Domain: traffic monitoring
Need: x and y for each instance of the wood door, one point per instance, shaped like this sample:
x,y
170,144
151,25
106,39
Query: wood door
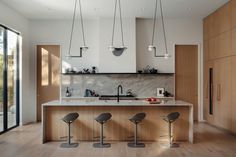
x,y
222,90
48,75
186,75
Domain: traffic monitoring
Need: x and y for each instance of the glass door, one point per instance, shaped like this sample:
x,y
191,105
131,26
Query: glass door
x,y
9,79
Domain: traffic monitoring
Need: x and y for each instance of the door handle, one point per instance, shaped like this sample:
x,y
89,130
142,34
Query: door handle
x,y
218,92
207,92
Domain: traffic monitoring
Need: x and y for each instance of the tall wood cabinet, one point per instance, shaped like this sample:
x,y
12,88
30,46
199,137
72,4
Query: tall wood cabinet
x,y
233,86
220,67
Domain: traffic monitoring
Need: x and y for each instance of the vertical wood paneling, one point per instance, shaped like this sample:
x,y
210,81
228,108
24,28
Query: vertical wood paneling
x,y
186,75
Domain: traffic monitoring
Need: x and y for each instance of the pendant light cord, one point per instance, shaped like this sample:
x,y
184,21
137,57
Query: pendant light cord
x,y
163,27
114,23
154,24
82,22
121,25
72,29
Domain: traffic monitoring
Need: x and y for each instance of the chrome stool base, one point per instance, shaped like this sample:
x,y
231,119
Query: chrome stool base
x,y
99,145
174,145
67,145
136,145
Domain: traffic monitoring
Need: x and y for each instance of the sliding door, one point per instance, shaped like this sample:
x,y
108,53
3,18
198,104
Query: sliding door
x,y
9,79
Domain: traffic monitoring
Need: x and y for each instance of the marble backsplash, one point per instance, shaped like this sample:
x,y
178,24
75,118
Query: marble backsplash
x,y
141,85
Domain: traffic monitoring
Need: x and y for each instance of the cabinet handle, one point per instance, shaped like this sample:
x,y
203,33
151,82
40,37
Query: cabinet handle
x,y
207,92
218,92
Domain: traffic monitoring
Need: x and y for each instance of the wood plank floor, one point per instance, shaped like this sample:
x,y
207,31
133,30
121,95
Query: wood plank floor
x,y
26,142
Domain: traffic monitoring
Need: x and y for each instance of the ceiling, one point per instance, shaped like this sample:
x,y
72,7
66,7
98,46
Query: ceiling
x,y
63,9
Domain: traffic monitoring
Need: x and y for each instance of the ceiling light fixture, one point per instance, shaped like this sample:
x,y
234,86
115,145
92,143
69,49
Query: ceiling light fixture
x,y
151,47
84,47
117,51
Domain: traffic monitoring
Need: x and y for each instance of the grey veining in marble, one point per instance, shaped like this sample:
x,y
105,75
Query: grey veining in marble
x,y
141,85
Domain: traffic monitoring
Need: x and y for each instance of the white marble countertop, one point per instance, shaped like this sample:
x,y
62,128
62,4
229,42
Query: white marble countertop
x,y
114,103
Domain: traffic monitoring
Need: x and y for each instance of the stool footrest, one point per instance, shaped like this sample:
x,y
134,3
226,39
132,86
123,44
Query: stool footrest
x,y
99,137
63,137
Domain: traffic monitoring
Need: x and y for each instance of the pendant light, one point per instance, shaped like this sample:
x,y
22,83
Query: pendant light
x,y
84,47
117,51
152,47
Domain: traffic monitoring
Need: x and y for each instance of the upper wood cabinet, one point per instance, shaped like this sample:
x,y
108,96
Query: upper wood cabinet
x,y
223,45
233,13
223,18
206,50
212,50
213,26
206,27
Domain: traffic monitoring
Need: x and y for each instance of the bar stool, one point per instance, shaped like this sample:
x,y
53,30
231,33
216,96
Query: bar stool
x,y
102,118
136,119
170,118
69,118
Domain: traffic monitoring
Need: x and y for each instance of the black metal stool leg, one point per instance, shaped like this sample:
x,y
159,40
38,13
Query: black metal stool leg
x,y
69,144
135,144
101,144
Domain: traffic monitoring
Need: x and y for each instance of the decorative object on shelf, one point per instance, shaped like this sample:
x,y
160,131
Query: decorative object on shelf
x,y
146,69
160,92
151,47
94,69
86,71
129,92
117,51
153,71
68,92
84,47
140,71
90,93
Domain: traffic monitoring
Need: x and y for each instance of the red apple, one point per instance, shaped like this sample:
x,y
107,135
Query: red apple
x,y
153,99
148,99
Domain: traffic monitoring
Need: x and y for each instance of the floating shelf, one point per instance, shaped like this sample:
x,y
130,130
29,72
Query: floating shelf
x,y
117,74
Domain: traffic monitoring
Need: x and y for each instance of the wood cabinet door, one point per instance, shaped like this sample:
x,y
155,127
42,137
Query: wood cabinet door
x,y
233,13
222,90
207,95
233,93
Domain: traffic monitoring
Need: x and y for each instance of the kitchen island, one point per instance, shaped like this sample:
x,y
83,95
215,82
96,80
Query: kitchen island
x,y
119,128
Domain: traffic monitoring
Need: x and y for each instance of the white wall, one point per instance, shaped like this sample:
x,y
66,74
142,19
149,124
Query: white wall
x,y
58,32
178,31
107,61
16,21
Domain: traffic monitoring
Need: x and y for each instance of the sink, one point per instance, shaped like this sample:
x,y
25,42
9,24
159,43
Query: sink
x,y
114,97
